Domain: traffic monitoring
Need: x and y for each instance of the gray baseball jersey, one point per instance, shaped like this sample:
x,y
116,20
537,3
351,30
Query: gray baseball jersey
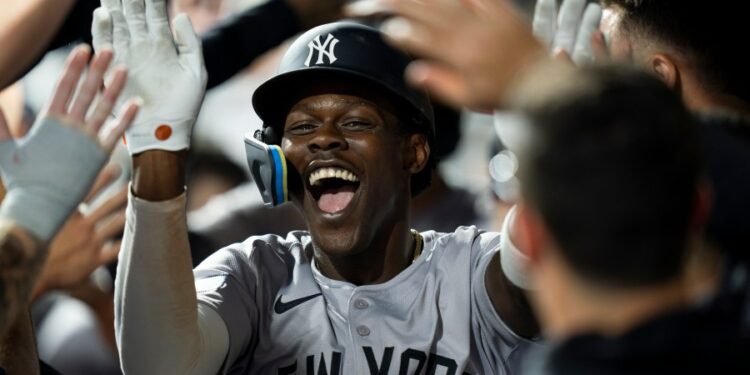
x,y
285,317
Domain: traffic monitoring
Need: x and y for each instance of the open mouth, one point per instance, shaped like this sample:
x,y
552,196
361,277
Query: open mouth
x,y
333,188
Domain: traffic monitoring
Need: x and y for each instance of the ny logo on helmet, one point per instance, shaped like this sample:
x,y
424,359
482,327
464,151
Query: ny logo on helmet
x,y
324,49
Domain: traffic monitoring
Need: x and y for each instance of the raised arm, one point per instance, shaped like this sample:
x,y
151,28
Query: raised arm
x,y
47,175
26,28
160,328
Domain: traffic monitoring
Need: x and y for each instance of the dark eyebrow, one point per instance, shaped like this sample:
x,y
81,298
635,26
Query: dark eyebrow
x,y
339,103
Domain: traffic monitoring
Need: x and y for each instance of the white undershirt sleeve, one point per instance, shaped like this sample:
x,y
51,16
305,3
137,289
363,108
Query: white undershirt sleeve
x,y
160,327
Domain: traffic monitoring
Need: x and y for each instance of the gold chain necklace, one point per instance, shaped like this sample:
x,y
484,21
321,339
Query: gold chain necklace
x,y
418,244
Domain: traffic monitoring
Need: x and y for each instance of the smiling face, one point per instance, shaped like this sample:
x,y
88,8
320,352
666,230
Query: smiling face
x,y
355,162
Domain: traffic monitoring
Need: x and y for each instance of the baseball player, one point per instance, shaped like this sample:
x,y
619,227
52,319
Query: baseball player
x,y
349,144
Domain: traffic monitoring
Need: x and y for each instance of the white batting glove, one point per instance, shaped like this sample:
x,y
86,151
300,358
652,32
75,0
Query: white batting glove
x,y
167,72
571,31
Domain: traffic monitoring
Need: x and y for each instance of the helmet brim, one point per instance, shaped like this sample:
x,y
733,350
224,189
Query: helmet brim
x,y
273,99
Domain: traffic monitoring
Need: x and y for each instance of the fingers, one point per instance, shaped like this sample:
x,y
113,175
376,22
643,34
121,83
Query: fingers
x,y
135,16
108,174
111,227
91,84
110,139
4,131
599,48
562,55
120,33
444,83
366,8
111,5
109,252
582,52
157,19
114,203
410,36
188,43
101,29
414,10
69,80
571,13
107,100
545,21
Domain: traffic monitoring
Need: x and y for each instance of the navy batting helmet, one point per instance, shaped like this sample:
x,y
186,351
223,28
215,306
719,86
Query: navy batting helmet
x,y
340,52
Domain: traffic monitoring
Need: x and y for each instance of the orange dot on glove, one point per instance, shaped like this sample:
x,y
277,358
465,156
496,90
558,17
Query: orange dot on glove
x,y
163,132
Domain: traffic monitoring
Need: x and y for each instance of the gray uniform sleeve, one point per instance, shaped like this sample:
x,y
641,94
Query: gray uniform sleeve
x,y
239,283
160,328
221,285
499,347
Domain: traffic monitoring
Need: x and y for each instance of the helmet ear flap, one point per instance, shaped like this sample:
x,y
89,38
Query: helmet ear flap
x,y
267,135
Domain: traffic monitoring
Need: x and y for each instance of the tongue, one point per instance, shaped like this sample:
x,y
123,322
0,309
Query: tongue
x,y
335,200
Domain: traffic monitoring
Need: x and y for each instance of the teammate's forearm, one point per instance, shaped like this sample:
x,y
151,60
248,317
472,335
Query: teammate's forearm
x,y
26,27
18,348
159,175
21,259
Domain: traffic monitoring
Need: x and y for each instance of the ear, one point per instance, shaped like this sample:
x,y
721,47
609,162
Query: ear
x,y
418,153
666,69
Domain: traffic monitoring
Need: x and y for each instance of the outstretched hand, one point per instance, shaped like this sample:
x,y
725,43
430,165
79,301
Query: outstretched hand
x,y
86,240
312,13
571,33
472,49
166,70
49,172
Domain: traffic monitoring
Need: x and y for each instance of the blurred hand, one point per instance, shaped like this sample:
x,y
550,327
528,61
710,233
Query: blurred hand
x,y
317,12
49,172
167,72
204,14
473,49
615,48
86,241
569,35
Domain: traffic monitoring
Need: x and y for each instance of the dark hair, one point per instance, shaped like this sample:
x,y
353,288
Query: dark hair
x,y
705,32
612,165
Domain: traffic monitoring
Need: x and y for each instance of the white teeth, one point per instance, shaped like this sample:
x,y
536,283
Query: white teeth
x,y
331,172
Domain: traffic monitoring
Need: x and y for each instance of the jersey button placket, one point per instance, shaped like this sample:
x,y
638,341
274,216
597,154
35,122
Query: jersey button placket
x,y
361,304
363,330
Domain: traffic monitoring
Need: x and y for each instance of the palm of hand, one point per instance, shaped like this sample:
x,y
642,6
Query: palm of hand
x,y
159,77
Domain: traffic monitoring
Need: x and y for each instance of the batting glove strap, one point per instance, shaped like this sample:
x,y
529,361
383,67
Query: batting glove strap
x,y
47,175
159,135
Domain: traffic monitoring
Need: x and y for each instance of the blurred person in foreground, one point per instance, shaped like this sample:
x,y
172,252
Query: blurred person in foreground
x,y
701,65
612,202
47,174
474,69
464,71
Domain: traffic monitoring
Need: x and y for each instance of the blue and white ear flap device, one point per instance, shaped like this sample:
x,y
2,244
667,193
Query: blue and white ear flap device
x,y
267,167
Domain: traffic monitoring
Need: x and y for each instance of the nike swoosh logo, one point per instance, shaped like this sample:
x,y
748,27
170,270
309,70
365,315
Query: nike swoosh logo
x,y
282,307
